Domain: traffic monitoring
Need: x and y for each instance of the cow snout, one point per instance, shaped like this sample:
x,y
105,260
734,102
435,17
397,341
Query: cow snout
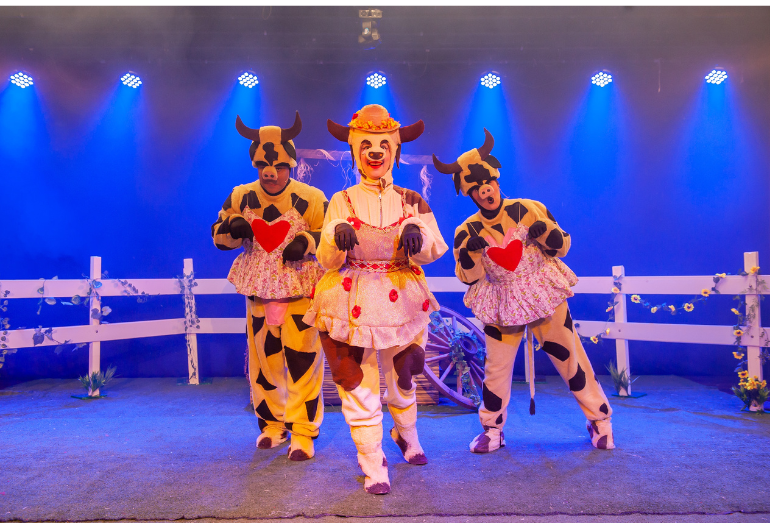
x,y
269,173
485,191
375,155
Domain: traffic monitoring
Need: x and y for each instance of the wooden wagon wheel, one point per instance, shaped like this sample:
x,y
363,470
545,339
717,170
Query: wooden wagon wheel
x,y
460,346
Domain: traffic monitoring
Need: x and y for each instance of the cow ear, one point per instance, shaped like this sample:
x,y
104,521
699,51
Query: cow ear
x,y
492,161
253,150
456,179
398,156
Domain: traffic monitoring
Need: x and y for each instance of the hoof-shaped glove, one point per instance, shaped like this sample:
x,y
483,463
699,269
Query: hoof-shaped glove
x,y
345,237
295,251
476,243
537,229
240,228
411,240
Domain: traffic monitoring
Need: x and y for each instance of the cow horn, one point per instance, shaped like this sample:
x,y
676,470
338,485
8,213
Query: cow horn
x,y
340,132
446,168
293,131
246,132
411,132
489,142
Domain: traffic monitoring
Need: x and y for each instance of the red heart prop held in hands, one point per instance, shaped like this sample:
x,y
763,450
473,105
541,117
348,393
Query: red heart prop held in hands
x,y
507,258
270,236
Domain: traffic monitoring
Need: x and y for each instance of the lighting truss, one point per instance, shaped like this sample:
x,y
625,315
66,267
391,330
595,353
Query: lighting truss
x,y
490,80
601,79
248,79
22,80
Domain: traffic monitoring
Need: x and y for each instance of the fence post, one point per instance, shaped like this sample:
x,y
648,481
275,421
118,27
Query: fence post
x,y
621,346
193,377
95,347
751,337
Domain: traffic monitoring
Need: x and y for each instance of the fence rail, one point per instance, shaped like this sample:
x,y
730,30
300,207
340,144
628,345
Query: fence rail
x,y
620,329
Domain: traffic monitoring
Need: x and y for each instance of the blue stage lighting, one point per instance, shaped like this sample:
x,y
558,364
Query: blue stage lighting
x,y
716,76
131,80
376,80
21,79
490,80
248,79
601,79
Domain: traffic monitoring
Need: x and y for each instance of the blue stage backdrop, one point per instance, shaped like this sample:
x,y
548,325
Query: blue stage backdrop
x,y
657,171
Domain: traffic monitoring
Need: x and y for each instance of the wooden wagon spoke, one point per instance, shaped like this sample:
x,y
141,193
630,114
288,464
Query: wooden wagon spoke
x,y
447,371
437,358
437,346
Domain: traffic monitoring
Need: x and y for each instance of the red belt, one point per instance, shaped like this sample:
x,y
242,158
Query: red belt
x,y
379,266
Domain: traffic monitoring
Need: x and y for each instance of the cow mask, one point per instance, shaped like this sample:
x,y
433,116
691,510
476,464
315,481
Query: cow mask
x,y
475,168
373,123
271,144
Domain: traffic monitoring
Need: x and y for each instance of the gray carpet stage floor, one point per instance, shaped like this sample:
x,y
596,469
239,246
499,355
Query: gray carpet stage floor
x,y
154,450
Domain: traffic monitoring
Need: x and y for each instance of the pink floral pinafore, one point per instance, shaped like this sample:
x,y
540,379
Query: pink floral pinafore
x,y
256,272
530,292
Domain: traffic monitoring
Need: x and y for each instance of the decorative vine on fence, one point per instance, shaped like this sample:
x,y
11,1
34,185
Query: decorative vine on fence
x,y
186,284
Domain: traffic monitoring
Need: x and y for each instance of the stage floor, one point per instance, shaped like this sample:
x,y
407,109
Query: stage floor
x,y
154,450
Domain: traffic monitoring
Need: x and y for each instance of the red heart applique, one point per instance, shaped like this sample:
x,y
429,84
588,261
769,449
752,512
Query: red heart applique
x,y
507,258
270,236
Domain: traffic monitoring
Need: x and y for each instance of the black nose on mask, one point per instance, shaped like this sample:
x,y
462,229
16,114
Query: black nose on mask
x,y
375,156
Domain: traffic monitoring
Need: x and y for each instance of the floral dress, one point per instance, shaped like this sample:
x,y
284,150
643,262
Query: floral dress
x,y
533,290
377,299
256,272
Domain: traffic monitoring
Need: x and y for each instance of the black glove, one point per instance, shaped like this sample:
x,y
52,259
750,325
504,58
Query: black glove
x,y
345,237
476,243
295,251
240,228
537,229
411,240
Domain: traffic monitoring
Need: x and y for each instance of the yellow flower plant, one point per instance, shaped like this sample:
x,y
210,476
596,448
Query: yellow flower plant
x,y
689,307
737,355
636,298
615,290
596,340
743,374
705,292
738,332
754,270
654,310
673,309
735,311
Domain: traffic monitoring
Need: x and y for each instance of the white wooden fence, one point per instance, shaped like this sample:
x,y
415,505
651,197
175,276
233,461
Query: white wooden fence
x,y
620,330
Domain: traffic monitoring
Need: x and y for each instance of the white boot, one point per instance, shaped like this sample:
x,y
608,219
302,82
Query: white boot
x,y
601,434
488,441
371,459
271,437
405,434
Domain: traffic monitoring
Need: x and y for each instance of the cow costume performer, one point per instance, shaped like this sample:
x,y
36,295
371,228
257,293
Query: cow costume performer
x,y
278,221
508,253
374,297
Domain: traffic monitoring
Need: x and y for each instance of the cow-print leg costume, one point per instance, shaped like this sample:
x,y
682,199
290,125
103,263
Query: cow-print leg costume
x,y
561,342
286,375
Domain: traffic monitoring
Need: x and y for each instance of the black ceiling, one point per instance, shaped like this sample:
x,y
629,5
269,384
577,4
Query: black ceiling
x,y
328,35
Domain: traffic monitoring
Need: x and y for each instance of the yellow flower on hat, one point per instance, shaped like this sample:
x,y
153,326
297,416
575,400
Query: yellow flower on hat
x,y
636,298
737,355
743,374
705,292
654,310
689,307
738,332
754,270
